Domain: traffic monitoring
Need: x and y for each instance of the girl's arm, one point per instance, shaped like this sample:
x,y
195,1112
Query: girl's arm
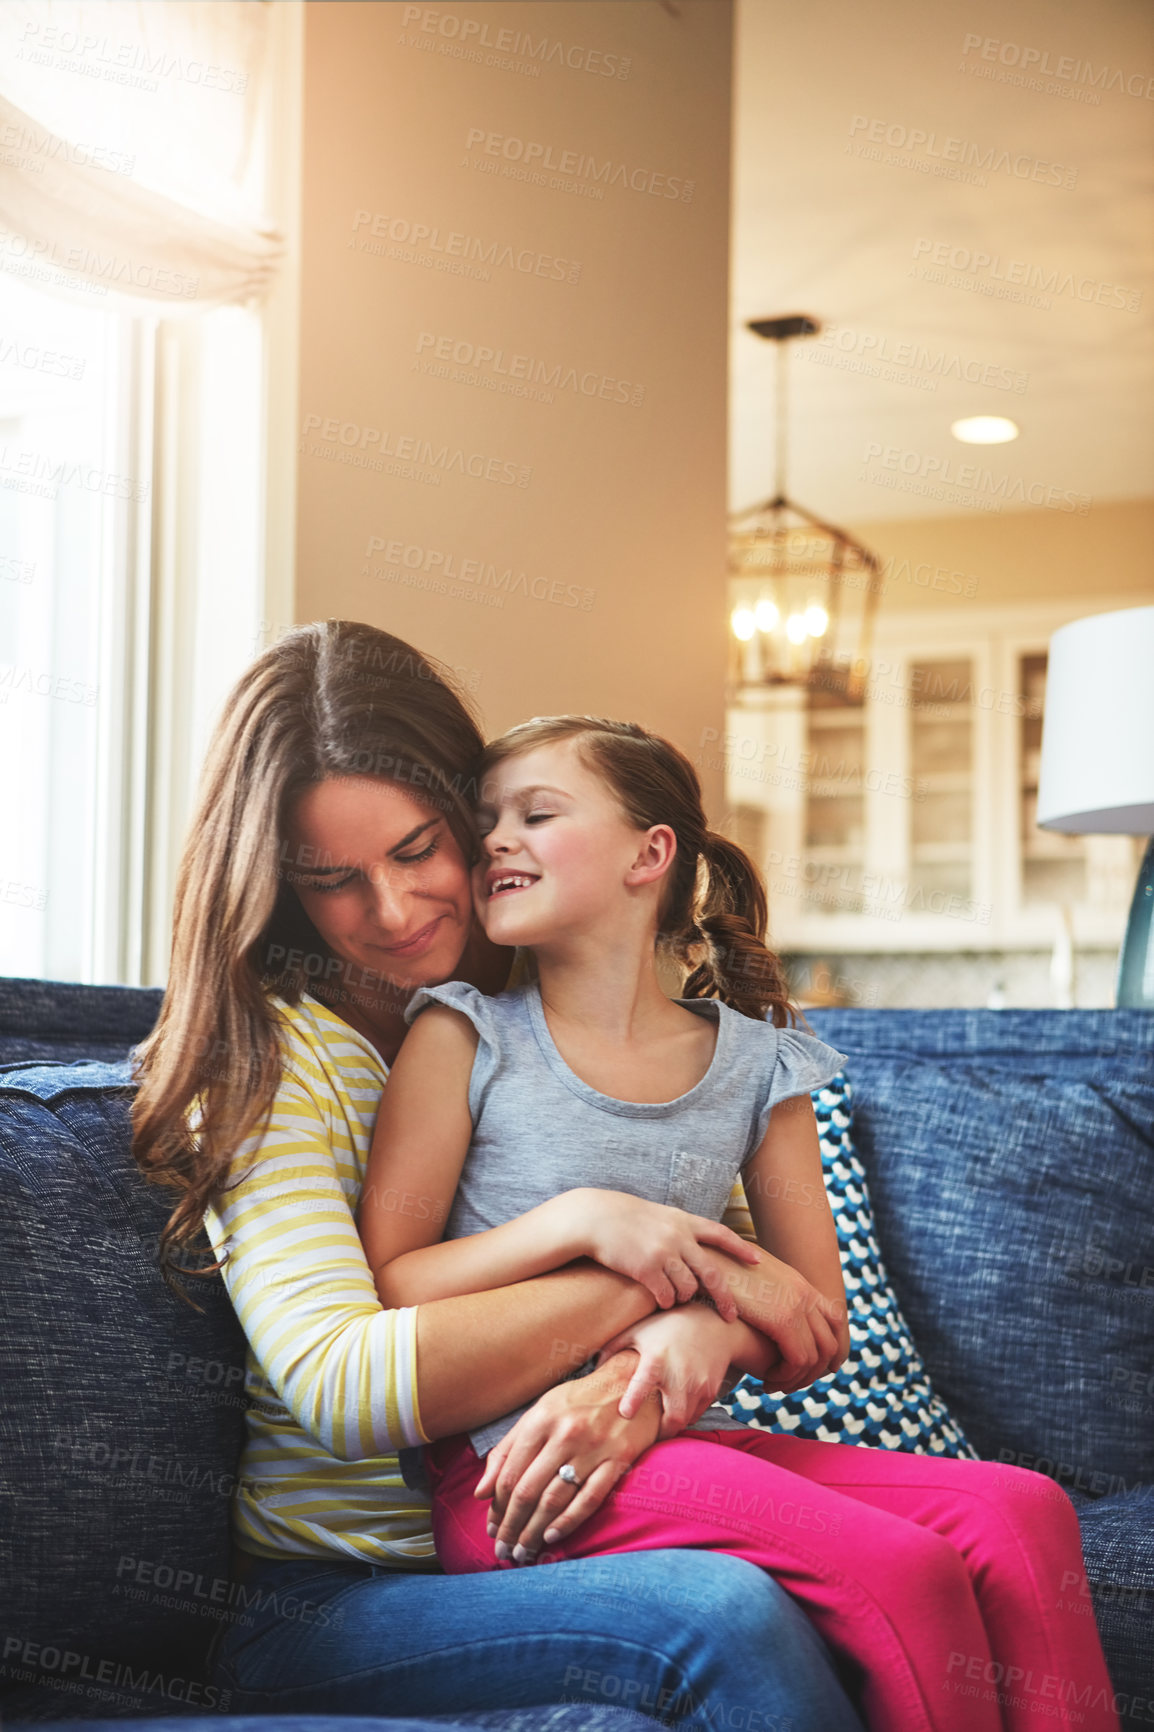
x,y
792,1326
687,1356
419,1146
795,1228
359,1378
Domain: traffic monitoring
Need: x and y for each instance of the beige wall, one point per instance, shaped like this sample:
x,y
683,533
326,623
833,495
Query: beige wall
x,y
609,514
1017,556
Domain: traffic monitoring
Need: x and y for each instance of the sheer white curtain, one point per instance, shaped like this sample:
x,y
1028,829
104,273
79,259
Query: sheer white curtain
x,y
149,157
130,150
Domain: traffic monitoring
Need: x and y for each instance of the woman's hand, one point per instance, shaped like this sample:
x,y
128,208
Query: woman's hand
x,y
662,1248
685,1356
576,1422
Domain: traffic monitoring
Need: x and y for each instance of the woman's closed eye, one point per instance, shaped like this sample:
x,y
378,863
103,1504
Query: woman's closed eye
x,y
326,885
426,853
335,884
322,885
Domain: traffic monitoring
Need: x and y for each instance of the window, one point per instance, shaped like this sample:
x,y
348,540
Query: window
x,y
147,401
72,504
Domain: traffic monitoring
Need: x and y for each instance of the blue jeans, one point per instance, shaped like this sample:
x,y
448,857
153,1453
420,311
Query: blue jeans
x,y
693,1638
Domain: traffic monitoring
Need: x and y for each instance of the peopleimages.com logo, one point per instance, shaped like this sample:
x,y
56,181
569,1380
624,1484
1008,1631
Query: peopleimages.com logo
x,y
1009,274
360,444
578,165
471,35
909,360
917,143
974,478
483,364
453,248
1066,68
444,567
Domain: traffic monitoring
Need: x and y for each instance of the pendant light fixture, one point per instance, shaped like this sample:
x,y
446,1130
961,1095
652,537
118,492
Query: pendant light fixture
x,y
803,592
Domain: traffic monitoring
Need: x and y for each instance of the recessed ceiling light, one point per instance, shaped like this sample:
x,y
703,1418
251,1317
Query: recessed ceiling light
x,y
985,430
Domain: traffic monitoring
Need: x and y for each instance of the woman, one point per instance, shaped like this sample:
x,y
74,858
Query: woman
x,y
325,879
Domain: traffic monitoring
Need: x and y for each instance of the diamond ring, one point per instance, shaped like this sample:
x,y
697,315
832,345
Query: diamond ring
x,y
568,1473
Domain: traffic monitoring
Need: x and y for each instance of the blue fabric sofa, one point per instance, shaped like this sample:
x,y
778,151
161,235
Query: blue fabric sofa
x,y
1011,1161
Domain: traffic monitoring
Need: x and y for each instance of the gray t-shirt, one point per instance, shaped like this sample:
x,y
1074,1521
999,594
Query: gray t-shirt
x,y
538,1130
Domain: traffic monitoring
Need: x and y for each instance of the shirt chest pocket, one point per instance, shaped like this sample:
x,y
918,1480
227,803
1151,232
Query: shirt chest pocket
x,y
700,1183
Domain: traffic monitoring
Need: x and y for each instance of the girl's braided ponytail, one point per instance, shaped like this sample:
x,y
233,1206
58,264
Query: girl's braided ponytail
x,y
738,966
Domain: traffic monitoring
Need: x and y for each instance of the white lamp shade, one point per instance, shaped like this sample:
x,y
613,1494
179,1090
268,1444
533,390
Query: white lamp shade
x,y
1097,774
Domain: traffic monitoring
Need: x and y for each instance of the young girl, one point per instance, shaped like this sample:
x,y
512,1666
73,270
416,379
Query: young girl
x,y
529,1125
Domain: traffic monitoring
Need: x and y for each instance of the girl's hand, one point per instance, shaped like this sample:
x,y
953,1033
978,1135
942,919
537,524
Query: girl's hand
x,y
685,1356
662,1248
810,1331
575,1422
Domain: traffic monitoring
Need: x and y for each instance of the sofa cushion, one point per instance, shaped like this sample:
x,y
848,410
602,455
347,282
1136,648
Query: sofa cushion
x,y
54,1021
562,1717
1010,1157
881,1394
1117,1588
121,1407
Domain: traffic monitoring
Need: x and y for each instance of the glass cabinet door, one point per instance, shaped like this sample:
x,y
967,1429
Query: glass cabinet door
x,y
834,829
1053,865
942,768
910,820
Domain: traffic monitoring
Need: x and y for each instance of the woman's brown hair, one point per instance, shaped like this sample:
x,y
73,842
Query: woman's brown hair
x,y
713,913
332,699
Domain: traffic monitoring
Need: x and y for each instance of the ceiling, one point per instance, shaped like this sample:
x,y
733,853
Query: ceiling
x,y
824,229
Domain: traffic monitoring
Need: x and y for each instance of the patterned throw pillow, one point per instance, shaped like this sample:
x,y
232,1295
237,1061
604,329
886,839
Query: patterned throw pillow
x,y
881,1394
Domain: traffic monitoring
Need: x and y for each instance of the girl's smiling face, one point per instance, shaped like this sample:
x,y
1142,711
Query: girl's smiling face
x,y
560,856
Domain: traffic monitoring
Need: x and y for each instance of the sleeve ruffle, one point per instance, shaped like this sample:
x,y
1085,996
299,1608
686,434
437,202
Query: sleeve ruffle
x,y
460,995
804,1063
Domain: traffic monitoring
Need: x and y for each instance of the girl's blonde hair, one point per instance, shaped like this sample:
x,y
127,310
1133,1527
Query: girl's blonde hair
x,y
332,699
713,911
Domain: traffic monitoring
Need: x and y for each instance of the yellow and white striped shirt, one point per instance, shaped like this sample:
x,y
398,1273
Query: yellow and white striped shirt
x,y
330,1375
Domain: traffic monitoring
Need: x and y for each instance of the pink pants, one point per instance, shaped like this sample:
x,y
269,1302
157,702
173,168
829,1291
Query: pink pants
x,y
952,1592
